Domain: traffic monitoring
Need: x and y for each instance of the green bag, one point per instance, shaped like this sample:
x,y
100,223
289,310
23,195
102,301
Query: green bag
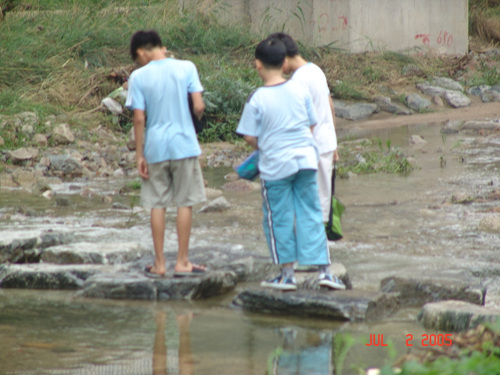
x,y
333,227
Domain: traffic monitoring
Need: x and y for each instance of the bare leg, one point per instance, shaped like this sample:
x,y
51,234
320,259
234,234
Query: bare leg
x,y
160,349
186,363
184,222
158,232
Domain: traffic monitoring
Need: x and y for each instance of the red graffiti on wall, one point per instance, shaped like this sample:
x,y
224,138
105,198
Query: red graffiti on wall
x,y
425,38
324,23
445,39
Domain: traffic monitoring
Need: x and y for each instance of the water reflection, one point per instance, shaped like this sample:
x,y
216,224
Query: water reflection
x,y
165,363
313,357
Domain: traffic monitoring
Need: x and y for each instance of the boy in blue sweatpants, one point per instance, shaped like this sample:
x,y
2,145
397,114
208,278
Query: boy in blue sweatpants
x,y
277,120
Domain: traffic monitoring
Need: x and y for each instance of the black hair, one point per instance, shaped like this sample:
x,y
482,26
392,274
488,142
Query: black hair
x,y
291,47
144,39
271,52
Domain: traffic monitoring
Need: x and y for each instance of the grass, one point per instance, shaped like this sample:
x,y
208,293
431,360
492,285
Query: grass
x,y
64,56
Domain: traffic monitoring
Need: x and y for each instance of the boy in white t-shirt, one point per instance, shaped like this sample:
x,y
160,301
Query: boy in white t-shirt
x,y
167,160
311,76
277,120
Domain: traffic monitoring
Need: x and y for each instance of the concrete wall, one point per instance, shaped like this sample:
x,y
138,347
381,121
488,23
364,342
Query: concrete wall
x,y
354,25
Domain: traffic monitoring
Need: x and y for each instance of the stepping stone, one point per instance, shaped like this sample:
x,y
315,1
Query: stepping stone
x,y
350,305
94,253
456,316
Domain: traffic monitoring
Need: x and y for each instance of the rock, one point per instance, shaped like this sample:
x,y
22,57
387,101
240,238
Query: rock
x,y
28,118
65,164
417,292
387,105
481,125
212,193
6,181
490,96
118,173
417,140
455,316
24,177
112,105
138,286
447,83
22,154
27,129
62,135
217,205
2,142
431,90
351,305
131,139
412,70
40,140
240,186
416,102
456,99
452,127
94,253
478,90
120,206
490,224
357,111
461,198
44,276
437,101
17,245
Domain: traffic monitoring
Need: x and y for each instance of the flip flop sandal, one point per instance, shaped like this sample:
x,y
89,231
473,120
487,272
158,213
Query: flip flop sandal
x,y
152,275
196,271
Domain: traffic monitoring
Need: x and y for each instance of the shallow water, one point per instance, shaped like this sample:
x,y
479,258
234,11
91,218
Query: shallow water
x,y
393,225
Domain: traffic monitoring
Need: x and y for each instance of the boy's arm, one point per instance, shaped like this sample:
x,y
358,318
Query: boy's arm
x,y
252,141
198,104
139,122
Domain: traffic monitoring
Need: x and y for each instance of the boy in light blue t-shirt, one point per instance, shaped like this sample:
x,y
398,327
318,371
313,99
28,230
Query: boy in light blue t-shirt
x,y
167,160
277,120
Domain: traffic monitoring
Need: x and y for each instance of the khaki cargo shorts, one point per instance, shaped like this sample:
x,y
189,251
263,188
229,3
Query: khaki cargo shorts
x,y
178,181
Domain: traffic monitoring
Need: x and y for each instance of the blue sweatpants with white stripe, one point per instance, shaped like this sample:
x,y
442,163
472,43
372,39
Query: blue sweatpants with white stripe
x,y
293,223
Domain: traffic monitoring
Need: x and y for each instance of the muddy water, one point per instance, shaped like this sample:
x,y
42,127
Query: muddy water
x,y
393,226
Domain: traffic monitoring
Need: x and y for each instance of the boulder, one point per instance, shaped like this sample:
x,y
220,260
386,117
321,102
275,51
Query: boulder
x,y
357,111
431,90
491,96
24,246
22,154
112,105
416,102
481,125
94,253
138,286
66,164
62,135
417,292
387,105
217,205
457,99
24,177
447,83
490,224
478,90
40,140
44,276
455,316
350,305
417,140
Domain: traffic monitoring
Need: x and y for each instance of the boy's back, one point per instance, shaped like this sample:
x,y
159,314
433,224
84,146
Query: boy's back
x,y
280,116
161,88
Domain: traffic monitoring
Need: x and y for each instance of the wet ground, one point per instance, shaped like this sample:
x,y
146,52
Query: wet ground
x,y
394,225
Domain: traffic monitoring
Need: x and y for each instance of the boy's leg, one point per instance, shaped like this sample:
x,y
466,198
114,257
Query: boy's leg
x,y
189,189
158,233
278,220
312,245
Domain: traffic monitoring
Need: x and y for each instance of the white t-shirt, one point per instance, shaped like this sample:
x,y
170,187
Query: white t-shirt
x,y
313,77
280,116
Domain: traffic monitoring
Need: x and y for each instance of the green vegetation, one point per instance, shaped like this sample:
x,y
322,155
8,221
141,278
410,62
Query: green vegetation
x,y
370,156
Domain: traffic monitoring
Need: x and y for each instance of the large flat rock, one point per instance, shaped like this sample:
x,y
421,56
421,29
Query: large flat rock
x,y
94,253
415,292
350,305
45,276
26,245
138,286
455,316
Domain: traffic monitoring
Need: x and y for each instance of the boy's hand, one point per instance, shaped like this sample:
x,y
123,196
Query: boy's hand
x,y
142,167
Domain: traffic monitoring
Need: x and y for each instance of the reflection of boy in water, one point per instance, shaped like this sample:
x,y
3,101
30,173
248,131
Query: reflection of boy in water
x,y
184,365
313,358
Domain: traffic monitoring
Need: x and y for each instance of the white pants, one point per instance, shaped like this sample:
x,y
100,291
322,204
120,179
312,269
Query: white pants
x,y
325,183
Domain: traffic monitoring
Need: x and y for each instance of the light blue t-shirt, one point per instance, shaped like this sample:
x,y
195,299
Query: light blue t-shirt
x,y
161,89
280,117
